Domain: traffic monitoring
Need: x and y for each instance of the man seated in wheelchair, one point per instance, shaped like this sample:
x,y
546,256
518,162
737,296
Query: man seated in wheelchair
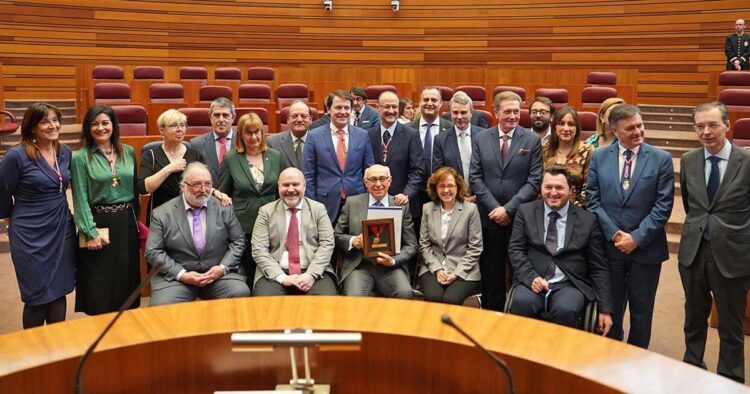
x,y
557,255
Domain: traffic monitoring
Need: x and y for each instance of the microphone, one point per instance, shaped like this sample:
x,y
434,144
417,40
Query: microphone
x,y
125,305
446,319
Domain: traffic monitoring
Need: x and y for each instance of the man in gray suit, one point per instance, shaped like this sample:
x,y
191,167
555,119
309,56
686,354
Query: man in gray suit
x,y
200,243
293,243
291,143
386,273
715,184
505,171
217,142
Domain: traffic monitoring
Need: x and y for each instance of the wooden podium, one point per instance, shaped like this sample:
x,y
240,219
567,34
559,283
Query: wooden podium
x,y
185,348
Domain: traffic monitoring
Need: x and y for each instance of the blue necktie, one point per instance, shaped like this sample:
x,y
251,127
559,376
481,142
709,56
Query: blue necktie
x,y
428,150
713,178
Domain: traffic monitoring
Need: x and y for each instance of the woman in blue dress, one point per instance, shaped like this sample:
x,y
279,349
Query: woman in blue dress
x,y
35,177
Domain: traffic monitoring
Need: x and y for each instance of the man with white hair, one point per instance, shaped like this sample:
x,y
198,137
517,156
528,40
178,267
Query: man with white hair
x,y
200,243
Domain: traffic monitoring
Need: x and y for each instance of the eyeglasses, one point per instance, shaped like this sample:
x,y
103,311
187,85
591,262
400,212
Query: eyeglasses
x,y
382,179
450,187
713,126
177,125
199,185
539,112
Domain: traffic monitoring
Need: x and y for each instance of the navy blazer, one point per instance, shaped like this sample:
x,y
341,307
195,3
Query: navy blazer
x,y
644,209
445,151
325,179
510,186
369,118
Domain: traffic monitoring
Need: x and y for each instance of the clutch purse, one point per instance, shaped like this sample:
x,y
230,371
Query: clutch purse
x,y
104,232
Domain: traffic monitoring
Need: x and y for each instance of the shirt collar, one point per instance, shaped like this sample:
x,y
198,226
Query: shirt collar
x,y
295,138
372,201
391,129
509,134
423,124
467,131
187,206
634,150
299,205
334,129
230,133
563,212
723,153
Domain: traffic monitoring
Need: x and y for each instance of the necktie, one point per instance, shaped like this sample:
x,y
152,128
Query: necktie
x,y
341,149
222,148
428,150
713,178
626,170
198,237
505,149
292,243
356,118
386,140
377,204
298,151
464,149
550,241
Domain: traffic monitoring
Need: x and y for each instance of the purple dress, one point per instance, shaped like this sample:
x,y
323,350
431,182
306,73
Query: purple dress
x,y
42,234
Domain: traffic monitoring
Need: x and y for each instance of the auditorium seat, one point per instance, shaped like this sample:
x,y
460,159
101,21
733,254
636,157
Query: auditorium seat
x,y
209,93
735,97
601,78
478,94
108,72
133,120
558,96
284,116
374,91
112,93
261,112
588,123
525,120
254,93
488,117
593,96
288,92
166,93
193,73
516,89
9,124
446,94
228,73
265,74
148,72
143,77
734,78
741,132
198,121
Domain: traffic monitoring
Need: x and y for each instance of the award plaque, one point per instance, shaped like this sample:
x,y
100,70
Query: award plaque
x,y
378,237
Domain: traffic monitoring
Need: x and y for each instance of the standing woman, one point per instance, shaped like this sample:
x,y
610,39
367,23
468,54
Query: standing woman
x,y
604,134
105,197
35,176
566,149
249,175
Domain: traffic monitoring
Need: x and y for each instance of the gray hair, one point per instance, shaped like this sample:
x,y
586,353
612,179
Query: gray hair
x,y
463,99
622,111
190,168
711,105
222,102
378,166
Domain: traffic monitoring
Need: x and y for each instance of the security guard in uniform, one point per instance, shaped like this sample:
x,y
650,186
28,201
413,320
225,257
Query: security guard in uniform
x,y
737,48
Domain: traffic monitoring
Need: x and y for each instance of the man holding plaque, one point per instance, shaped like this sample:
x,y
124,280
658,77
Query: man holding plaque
x,y
383,272
631,191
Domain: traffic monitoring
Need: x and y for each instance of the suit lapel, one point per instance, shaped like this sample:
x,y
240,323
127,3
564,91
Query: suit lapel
x,y
210,219
569,225
539,217
183,225
377,144
245,165
287,147
733,167
210,148
515,142
613,154
493,139
458,210
437,221
395,141
695,169
328,141
350,157
452,144
280,217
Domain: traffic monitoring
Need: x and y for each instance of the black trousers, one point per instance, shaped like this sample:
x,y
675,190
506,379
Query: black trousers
x,y
563,306
492,264
454,293
701,279
267,287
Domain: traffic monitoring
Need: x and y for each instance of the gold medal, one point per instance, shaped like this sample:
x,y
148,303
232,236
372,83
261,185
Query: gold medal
x,y
626,184
115,181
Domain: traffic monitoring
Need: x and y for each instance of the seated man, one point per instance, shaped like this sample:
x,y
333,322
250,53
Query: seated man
x,y
293,242
387,273
556,252
200,243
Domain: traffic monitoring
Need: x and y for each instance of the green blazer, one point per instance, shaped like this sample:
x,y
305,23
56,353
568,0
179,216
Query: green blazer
x,y
236,181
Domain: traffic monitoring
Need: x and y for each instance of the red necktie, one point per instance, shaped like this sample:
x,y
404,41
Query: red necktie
x,y
222,148
292,244
341,155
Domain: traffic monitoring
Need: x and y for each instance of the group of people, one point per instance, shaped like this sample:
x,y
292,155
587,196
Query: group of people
x,y
236,212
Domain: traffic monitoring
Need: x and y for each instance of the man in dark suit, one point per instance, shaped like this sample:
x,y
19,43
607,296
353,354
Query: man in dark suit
x,y
631,191
200,243
557,256
385,273
453,148
291,143
335,157
363,115
715,184
506,169
737,48
217,142
397,146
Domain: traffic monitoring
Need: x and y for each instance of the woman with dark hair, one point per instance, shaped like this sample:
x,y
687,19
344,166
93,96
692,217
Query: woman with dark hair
x,y
35,177
450,240
566,149
106,207
249,175
604,134
405,111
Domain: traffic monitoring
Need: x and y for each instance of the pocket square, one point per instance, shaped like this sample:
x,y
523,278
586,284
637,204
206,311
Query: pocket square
x,y
523,152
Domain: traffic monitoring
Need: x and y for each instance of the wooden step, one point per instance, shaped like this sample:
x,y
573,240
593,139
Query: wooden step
x,y
655,108
667,117
672,138
668,125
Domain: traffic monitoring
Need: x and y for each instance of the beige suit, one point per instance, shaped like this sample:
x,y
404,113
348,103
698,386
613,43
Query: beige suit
x,y
462,246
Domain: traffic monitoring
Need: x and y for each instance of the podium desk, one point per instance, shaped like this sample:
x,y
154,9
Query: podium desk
x,y
185,348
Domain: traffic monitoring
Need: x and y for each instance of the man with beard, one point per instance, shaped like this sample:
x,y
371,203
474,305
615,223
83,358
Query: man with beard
x,y
541,113
298,259
200,243
217,142
291,143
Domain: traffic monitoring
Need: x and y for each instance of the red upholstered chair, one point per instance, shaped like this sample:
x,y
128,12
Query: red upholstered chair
x,y
148,72
197,119
446,94
108,72
593,96
525,120
516,89
741,132
601,78
228,73
133,119
254,93
9,126
261,112
477,94
288,92
112,93
735,97
260,74
166,93
486,114
209,93
374,91
558,96
734,78
588,123
190,73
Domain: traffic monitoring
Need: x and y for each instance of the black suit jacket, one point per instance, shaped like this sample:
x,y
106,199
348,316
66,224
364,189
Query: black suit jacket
x,y
737,47
581,258
476,119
